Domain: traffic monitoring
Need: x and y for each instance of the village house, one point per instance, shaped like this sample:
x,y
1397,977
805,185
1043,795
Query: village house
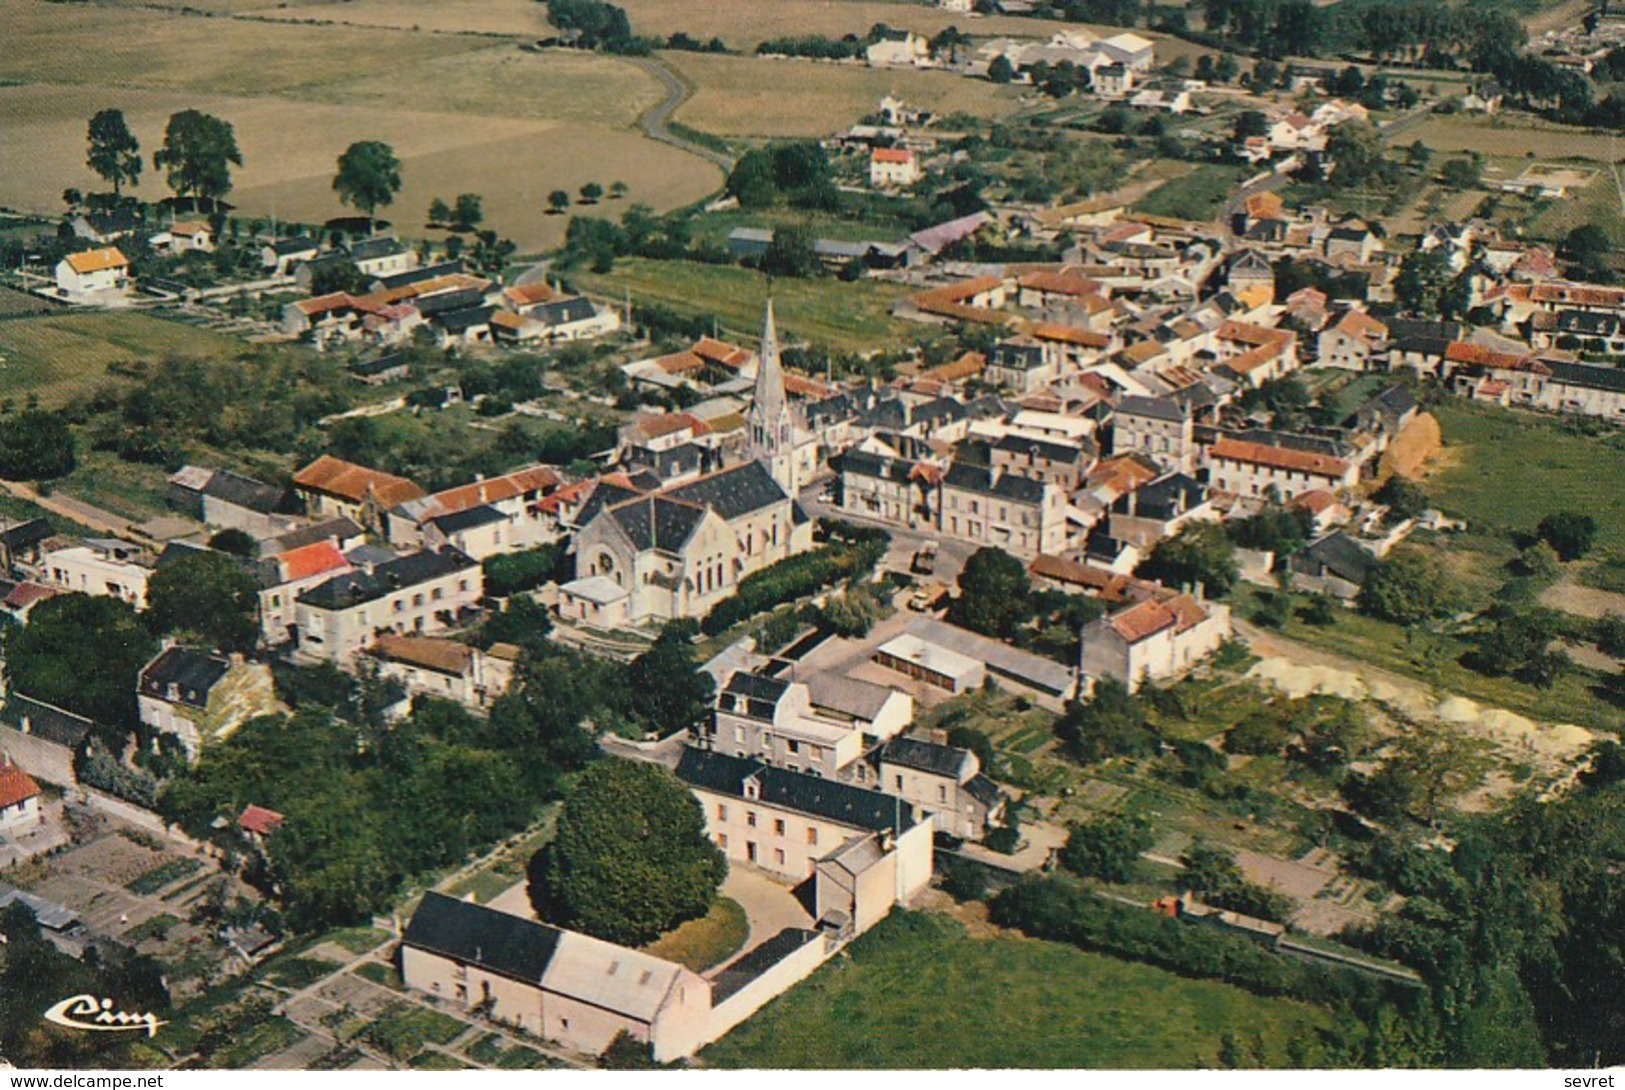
x,y
943,781
105,228
558,985
903,49
104,273
990,506
1161,428
1258,470
868,850
482,519
280,257
19,799
1154,639
1355,341
418,593
285,573
1160,509
332,488
193,237
1113,80
1063,464
376,258
894,168
772,720
195,695
101,566
1336,564
448,669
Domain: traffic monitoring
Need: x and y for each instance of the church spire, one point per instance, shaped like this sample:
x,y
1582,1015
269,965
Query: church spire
x,y
769,397
772,437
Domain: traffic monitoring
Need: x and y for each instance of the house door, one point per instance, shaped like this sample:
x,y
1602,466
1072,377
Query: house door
x,y
750,850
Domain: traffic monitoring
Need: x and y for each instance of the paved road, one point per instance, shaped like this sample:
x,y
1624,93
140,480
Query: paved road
x,y
951,554
655,120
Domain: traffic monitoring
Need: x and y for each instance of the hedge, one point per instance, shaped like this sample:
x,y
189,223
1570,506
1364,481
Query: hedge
x,y
797,576
510,573
1052,909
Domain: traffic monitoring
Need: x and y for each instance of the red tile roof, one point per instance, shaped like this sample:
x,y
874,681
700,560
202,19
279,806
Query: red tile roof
x,y
317,558
893,155
16,786
260,821
542,479
348,481
1300,461
1062,282
1484,356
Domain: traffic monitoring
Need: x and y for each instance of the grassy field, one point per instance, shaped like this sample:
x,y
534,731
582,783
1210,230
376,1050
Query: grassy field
x,y
1435,660
905,996
1507,470
707,941
853,317
1510,135
1198,195
465,113
752,96
61,356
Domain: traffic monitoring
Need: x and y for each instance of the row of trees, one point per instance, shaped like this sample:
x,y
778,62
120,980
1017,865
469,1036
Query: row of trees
x,y
197,154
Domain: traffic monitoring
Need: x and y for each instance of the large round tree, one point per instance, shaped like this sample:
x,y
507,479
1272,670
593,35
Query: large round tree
x,y
631,859
368,177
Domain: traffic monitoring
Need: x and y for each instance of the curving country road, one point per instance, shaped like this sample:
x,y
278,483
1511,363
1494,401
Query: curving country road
x,y
655,120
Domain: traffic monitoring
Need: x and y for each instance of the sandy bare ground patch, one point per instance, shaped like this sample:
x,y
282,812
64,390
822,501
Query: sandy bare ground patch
x,y
1582,601
1416,444
762,96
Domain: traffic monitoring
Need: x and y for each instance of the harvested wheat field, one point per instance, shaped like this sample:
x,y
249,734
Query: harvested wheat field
x,y
525,18
744,23
465,114
751,96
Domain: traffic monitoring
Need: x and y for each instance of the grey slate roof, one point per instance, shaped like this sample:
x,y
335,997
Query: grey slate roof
x,y
420,274
564,311
929,757
1342,556
983,790
353,588
458,321
241,491
379,365
45,721
504,944
1155,408
1588,375
371,248
482,515
732,492
655,522
985,481
192,672
838,802
1048,449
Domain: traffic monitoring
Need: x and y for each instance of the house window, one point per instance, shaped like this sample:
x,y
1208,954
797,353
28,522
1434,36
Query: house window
x,y
750,818
812,834
778,856
899,779
942,793
778,826
722,812
435,594
399,605
722,841
462,585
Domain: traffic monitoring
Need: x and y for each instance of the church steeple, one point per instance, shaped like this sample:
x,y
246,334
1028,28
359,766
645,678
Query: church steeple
x,y
772,433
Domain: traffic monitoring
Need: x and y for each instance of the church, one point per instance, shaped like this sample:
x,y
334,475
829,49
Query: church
x,y
679,551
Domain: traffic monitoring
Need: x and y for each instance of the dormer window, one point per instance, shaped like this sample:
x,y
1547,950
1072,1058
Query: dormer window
x,y
753,789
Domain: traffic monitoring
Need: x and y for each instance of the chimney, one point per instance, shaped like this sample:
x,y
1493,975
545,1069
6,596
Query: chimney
x,y
937,736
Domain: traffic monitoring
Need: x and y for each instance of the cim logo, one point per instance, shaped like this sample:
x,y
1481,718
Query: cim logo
x,y
98,1015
